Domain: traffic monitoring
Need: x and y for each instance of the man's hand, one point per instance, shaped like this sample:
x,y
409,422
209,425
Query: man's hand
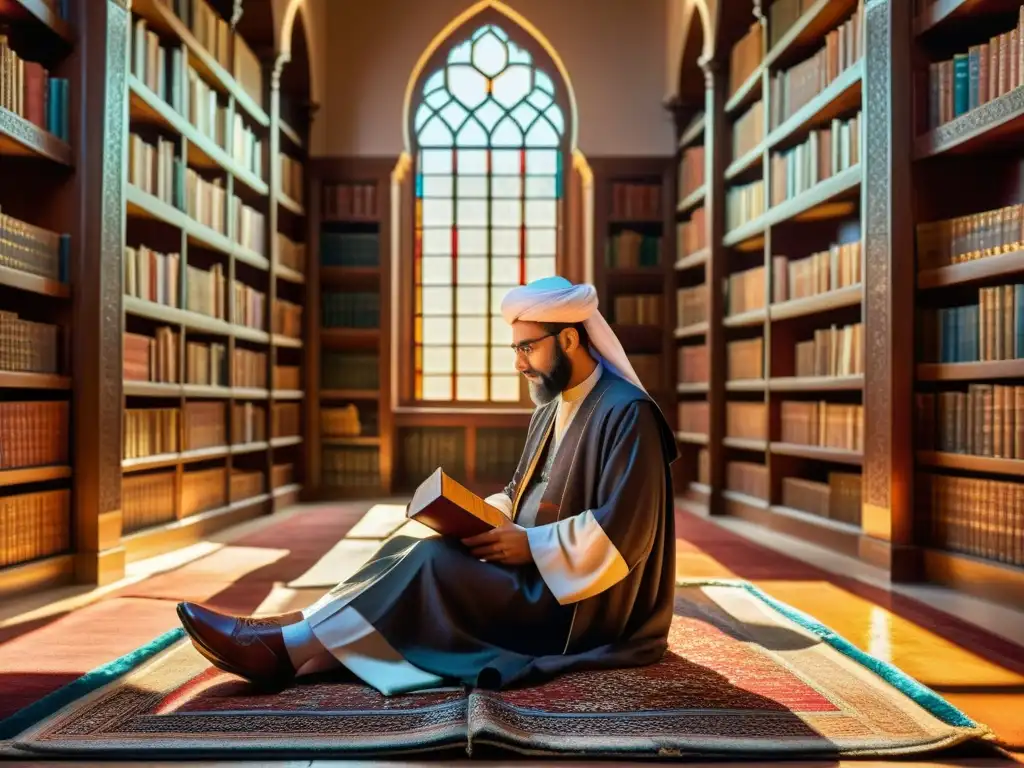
x,y
506,544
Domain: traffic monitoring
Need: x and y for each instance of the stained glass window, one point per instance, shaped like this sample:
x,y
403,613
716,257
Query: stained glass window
x,y
489,159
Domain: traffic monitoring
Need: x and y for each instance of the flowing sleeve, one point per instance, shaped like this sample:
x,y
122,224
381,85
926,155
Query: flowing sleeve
x,y
583,555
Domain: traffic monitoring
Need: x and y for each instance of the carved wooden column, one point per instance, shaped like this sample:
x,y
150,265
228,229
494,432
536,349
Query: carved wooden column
x,y
716,157
98,327
888,238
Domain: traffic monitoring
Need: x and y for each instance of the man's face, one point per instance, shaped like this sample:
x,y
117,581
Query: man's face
x,y
541,360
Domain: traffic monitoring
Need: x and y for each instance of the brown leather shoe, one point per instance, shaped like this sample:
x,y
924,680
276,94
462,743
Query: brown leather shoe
x,y
250,648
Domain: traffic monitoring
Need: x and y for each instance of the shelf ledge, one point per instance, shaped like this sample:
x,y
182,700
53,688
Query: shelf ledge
x,y
988,124
19,137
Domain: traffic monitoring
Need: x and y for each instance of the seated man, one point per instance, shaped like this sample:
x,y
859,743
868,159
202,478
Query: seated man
x,y
581,576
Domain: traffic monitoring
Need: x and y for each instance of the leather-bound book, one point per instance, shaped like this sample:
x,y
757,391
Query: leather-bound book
x,y
451,509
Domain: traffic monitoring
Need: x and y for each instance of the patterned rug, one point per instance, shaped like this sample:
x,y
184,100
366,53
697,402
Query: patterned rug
x,y
745,677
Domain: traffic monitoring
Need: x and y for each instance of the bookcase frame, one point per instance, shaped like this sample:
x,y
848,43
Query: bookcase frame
x,y
101,115
879,84
893,163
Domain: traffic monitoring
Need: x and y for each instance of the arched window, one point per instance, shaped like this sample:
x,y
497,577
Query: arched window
x,y
489,137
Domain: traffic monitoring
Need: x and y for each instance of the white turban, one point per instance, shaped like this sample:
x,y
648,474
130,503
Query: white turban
x,y
556,300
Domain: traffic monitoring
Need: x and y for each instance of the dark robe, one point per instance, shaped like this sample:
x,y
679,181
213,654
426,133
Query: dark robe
x,y
492,625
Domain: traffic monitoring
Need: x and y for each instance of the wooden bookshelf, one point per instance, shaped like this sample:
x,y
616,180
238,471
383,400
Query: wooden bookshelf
x,y
41,253
769,381
223,303
126,317
347,300
968,524
915,380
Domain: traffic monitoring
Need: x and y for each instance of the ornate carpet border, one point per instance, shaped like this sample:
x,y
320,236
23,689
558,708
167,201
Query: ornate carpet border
x,y
51,703
921,694
925,697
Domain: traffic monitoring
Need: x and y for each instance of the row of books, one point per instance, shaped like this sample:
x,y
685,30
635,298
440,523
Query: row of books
x,y
748,478
152,276
204,291
155,169
497,452
350,202
342,422
633,201
986,420
155,358
34,525
642,309
692,234
744,359
164,71
157,431
977,76
351,467
840,266
782,15
823,424
151,498
633,249
838,499
248,423
423,449
148,499
33,434
292,178
796,86
745,57
691,171
290,253
246,484
692,363
992,329
704,466
250,227
37,251
27,346
287,377
691,306
743,203
285,420
287,319
349,370
823,154
975,516
152,358
214,34
350,310
31,92
974,236
817,274
350,249
203,490
748,130
246,146
833,351
692,416
249,307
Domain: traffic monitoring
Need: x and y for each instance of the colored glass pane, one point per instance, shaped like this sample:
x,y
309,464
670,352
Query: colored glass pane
x,y
488,174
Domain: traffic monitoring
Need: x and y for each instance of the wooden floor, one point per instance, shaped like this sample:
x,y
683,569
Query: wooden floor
x,y
979,672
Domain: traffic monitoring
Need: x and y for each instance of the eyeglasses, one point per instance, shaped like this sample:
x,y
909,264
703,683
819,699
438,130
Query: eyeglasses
x,y
526,347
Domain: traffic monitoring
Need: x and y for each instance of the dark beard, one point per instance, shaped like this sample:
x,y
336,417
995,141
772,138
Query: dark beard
x,y
554,382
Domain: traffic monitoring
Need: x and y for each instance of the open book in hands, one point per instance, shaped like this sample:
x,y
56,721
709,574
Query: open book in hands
x,y
451,509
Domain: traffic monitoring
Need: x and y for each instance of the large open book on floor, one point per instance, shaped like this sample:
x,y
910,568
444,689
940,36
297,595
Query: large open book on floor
x,y
451,509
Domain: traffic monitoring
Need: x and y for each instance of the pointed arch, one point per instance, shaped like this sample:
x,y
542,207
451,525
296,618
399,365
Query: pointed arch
x,y
479,12
285,41
692,39
496,195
